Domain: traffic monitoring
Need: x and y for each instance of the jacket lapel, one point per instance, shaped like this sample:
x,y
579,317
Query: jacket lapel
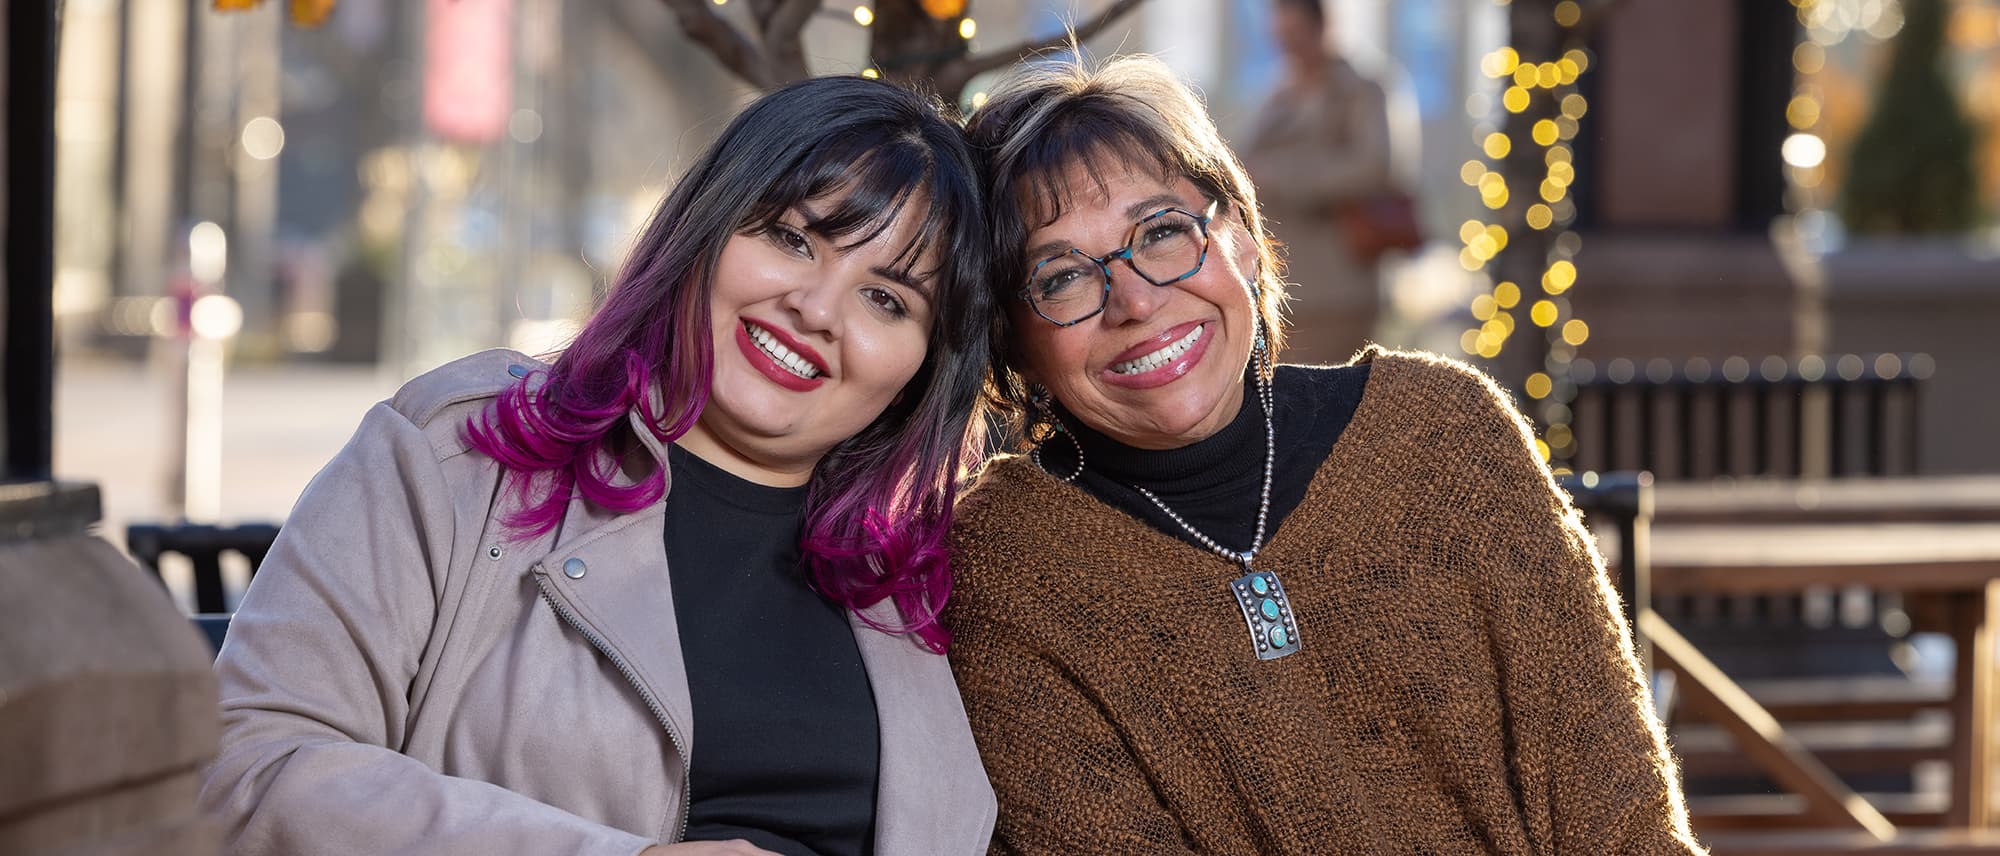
x,y
611,569
932,796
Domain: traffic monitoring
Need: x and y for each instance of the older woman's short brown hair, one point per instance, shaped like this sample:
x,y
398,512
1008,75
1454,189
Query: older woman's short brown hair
x,y
1132,112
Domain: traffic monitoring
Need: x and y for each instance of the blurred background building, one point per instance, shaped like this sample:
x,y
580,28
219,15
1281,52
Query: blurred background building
x,y
1750,247
405,182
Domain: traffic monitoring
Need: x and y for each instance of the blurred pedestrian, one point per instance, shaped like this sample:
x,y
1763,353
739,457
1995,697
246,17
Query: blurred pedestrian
x,y
1319,152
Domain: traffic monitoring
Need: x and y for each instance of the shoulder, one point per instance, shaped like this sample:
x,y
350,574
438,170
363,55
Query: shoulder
x,y
1426,409
1002,489
438,402
468,379
1344,381
1434,382
1353,82
998,520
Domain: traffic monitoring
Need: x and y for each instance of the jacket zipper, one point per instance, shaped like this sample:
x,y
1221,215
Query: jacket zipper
x,y
625,668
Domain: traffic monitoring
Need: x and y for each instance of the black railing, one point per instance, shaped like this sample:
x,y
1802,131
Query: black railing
x,y
204,547
1817,416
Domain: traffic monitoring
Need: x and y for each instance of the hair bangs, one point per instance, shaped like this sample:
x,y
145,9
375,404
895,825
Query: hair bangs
x,y
1095,138
871,190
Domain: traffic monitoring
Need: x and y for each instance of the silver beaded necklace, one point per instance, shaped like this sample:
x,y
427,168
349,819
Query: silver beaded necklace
x,y
1266,610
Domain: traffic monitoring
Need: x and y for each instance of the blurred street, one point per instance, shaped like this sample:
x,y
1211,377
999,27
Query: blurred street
x,y
280,424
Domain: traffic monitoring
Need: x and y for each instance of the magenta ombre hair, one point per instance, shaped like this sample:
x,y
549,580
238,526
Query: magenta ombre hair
x,y
879,507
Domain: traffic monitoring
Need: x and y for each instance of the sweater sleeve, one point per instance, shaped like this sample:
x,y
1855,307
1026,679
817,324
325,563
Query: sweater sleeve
x,y
317,671
1590,758
1067,780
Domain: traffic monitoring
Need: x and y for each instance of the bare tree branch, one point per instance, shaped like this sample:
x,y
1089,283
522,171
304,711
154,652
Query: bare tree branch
x,y
784,29
961,71
732,48
789,19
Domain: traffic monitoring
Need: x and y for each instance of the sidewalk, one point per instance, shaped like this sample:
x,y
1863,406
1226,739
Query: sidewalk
x,y
280,425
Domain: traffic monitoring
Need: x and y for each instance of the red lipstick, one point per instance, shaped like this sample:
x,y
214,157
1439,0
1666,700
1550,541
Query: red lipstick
x,y
774,370
1170,371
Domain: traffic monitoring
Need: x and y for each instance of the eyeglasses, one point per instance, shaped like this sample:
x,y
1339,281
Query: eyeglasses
x,y
1165,247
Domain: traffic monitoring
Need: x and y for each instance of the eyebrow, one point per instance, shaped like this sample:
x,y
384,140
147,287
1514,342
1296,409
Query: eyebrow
x,y
1149,205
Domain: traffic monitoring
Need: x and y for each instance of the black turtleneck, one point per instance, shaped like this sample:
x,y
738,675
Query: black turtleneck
x,y
1214,484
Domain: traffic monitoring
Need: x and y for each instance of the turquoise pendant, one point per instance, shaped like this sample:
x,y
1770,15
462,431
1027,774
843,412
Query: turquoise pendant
x,y
1274,631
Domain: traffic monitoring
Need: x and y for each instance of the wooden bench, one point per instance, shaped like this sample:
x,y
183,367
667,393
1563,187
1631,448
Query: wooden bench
x,y
1943,842
1837,415
204,546
1950,576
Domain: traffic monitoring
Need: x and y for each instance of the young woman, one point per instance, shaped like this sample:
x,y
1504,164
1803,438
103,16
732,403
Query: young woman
x,y
677,591
1229,607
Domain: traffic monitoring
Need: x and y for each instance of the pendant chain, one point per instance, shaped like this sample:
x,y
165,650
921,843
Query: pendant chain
x,y
1244,557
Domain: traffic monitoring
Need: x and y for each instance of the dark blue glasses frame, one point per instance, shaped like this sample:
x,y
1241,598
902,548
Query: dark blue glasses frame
x,y
1124,254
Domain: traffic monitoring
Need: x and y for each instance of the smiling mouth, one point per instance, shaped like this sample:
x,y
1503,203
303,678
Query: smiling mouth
x,y
786,358
1162,356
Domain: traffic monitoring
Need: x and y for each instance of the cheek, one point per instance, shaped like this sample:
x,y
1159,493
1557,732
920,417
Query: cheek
x,y
892,359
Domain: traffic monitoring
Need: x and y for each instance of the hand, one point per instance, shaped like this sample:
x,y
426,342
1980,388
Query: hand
x,y
736,847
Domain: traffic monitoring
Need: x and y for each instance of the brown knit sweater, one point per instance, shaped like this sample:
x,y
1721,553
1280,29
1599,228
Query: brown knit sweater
x,y
1465,684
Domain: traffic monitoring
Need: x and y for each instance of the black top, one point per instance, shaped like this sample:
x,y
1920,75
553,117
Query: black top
x,y
785,737
1214,484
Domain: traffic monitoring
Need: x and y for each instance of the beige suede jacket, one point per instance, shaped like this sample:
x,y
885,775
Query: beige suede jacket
x,y
402,678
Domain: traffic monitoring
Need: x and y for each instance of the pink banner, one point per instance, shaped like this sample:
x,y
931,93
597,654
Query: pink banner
x,y
468,69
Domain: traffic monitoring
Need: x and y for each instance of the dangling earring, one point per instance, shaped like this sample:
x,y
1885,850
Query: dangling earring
x,y
1260,346
1038,398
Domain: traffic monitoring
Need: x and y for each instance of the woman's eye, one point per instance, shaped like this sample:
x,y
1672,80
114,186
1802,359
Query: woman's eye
x,y
1054,284
791,239
887,301
1162,231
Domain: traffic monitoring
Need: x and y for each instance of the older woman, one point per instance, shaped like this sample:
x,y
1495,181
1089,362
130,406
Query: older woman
x,y
1232,607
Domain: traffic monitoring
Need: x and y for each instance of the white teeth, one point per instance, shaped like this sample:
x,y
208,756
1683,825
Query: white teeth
x,y
779,353
1162,356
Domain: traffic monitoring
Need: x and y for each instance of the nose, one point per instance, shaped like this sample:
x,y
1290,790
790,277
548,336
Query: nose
x,y
817,304
1132,298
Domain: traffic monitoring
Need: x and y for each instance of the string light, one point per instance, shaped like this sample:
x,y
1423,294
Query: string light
x,y
967,29
1539,216
1539,385
1543,313
1802,112
1544,89
864,15
1560,277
